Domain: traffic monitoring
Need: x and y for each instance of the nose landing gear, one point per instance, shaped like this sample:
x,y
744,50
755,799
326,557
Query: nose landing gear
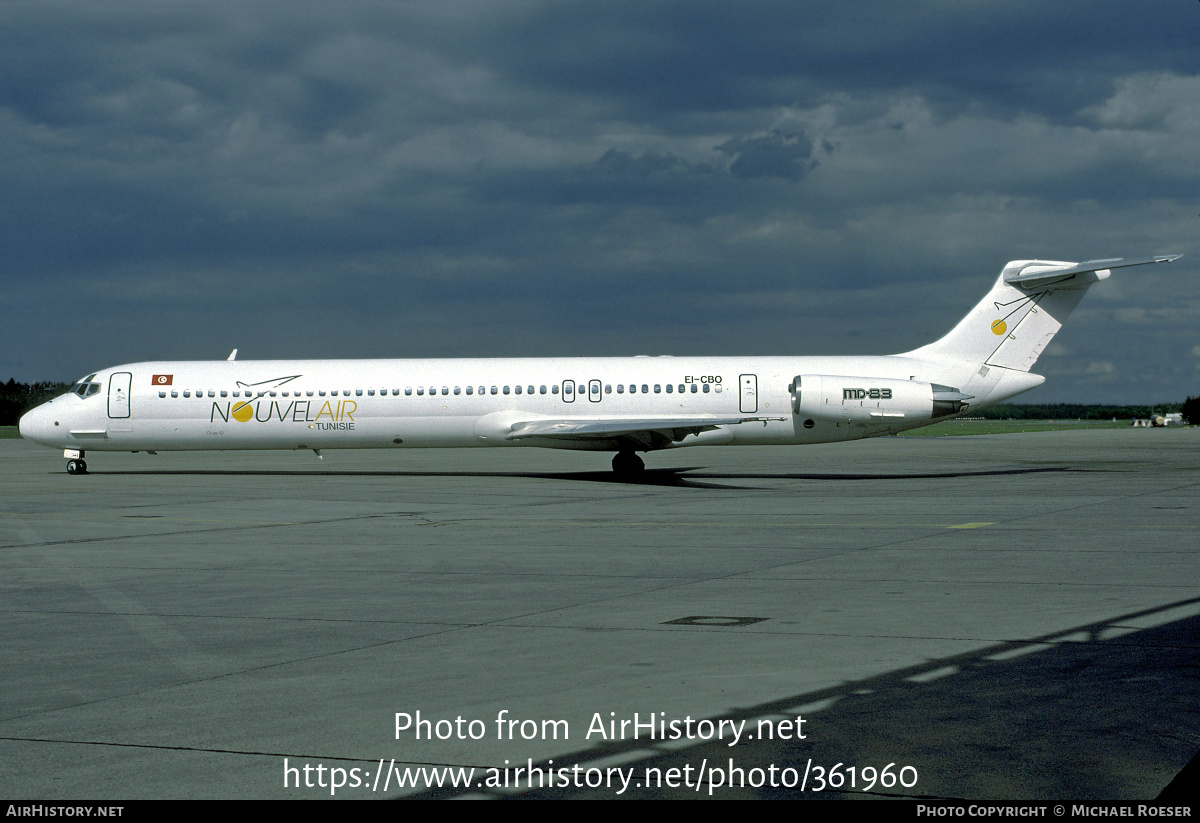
x,y
75,461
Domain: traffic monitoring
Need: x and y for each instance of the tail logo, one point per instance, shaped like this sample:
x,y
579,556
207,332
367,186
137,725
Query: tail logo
x,y
999,327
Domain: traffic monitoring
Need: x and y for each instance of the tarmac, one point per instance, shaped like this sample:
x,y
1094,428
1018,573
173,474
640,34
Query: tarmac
x,y
1001,617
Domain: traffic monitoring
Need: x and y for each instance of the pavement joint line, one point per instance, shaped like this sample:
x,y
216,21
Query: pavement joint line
x,y
109,538
249,752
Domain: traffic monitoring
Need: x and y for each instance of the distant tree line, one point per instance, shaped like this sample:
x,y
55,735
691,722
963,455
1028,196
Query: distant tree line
x,y
1191,410
1079,411
18,398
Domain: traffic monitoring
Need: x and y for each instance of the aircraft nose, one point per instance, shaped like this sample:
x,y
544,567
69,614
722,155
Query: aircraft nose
x,y
33,424
25,425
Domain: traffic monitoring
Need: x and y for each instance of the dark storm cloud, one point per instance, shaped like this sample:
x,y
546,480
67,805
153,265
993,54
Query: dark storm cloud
x,y
778,154
1013,56
493,177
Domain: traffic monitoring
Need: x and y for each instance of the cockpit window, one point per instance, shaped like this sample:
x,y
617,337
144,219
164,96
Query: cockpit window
x,y
86,387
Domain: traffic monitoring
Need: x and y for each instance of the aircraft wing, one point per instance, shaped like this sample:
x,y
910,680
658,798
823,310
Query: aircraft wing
x,y
1042,277
645,429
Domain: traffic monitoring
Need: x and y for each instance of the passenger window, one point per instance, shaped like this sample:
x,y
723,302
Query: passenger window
x,y
187,394
162,394
445,389
620,388
470,389
320,393
494,390
646,388
174,393
554,389
518,390
457,390
542,390
420,391
608,388
706,389
358,392
370,392
506,389
670,388
408,391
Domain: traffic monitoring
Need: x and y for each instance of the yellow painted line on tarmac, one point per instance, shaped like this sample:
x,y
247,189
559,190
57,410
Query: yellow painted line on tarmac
x,y
970,525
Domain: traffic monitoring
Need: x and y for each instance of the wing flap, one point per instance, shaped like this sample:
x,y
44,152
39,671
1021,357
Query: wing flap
x,y
675,428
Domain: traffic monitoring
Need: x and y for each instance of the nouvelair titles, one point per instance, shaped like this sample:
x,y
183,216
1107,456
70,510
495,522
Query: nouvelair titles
x,y
335,414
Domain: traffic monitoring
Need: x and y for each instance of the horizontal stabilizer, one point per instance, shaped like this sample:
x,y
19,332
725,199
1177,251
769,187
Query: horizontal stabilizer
x,y
1035,272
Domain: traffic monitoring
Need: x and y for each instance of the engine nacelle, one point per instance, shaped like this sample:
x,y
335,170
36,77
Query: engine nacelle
x,y
872,400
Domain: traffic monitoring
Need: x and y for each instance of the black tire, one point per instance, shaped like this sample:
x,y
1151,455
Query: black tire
x,y
627,463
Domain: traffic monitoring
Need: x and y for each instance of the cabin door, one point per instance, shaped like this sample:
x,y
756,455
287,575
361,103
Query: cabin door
x,y
118,395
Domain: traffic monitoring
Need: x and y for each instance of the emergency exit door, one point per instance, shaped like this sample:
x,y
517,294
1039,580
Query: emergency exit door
x,y
749,393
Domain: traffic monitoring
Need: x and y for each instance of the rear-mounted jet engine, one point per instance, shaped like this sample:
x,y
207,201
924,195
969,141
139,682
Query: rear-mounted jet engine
x,y
872,400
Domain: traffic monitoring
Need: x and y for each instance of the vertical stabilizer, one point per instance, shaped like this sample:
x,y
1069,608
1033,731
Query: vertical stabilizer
x,y
1026,307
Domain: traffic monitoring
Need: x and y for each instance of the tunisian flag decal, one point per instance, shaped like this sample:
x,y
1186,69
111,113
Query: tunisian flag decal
x,y
162,379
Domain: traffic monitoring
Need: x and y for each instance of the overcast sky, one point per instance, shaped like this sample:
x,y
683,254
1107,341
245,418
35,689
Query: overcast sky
x,y
510,177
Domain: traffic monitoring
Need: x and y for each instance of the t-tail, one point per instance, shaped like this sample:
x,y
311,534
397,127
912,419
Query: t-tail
x,y
1003,336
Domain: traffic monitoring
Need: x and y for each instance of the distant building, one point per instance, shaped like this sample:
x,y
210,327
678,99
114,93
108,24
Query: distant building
x,y
1159,420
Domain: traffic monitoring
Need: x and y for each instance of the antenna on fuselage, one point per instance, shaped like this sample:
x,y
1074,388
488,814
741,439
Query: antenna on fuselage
x,y
232,355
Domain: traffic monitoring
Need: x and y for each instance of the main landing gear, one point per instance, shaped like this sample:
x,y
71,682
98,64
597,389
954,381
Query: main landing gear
x,y
627,463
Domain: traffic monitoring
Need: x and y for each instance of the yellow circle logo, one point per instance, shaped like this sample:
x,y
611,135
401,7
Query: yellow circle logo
x,y
999,327
242,412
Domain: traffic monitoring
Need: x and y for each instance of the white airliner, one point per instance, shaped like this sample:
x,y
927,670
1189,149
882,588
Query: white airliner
x,y
617,404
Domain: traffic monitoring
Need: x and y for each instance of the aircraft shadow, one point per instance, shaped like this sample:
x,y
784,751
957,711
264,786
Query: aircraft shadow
x,y
681,477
